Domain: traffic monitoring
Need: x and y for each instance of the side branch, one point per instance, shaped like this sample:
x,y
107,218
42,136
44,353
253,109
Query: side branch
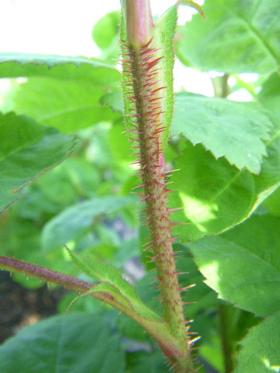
x,y
68,282
157,329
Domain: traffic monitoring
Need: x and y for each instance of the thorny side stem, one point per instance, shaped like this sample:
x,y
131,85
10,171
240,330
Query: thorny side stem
x,y
158,330
144,89
44,274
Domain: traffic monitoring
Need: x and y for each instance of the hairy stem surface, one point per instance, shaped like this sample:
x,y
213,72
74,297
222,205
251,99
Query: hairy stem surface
x,y
143,89
44,274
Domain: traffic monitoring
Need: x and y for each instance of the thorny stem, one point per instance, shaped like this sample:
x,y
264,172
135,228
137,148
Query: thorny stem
x,y
44,274
144,89
157,329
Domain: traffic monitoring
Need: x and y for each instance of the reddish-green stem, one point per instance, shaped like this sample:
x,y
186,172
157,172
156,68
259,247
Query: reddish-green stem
x,y
139,22
144,89
44,274
157,329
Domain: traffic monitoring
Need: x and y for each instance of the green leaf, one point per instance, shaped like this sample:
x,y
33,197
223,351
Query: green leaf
x,y
114,100
116,291
16,133
233,130
272,203
213,194
26,150
106,30
113,282
77,177
236,36
78,343
120,145
269,178
75,221
269,97
77,68
68,105
216,196
260,349
243,265
149,362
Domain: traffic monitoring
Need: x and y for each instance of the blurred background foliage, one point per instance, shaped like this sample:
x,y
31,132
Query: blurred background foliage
x,y
69,114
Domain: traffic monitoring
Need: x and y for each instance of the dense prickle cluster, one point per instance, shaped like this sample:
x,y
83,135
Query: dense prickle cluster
x,y
143,90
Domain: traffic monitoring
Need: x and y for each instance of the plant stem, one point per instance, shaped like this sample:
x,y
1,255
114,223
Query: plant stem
x,y
220,85
225,338
139,22
222,89
155,196
143,88
69,282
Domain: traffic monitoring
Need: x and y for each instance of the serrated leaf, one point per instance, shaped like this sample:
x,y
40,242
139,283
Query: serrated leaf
x,y
260,349
234,130
213,194
243,265
216,196
26,150
269,178
14,65
77,220
235,36
68,105
75,343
